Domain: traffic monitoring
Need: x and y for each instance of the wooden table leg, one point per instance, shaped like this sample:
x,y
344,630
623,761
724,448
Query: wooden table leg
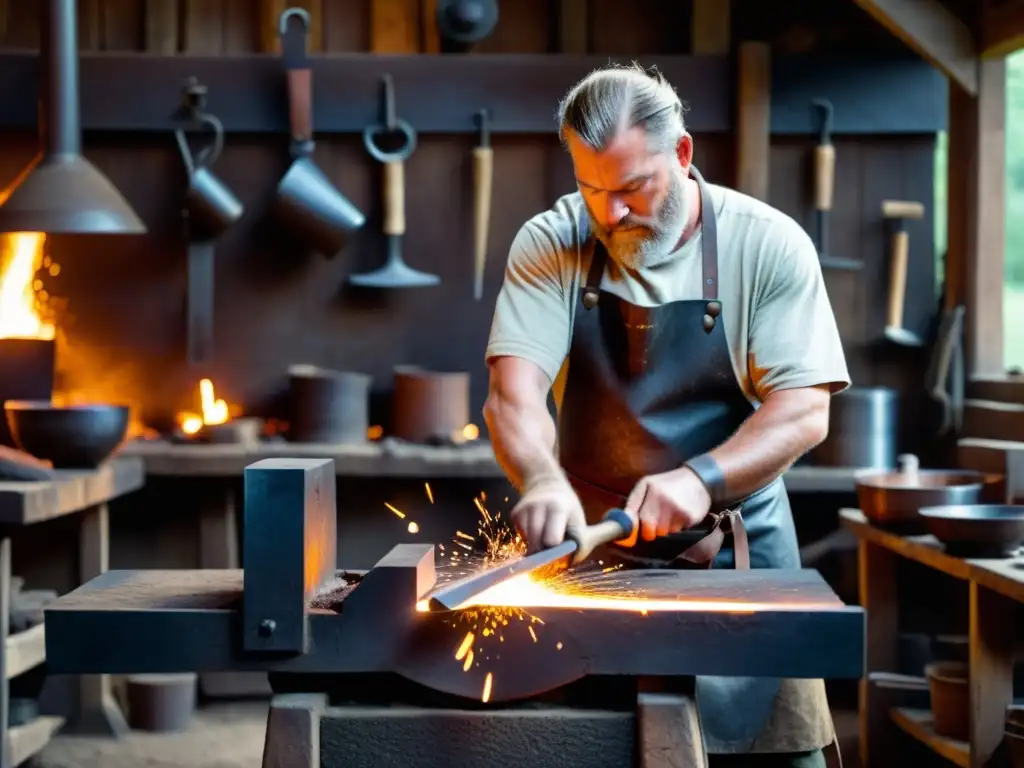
x,y
218,549
668,726
878,597
992,638
98,712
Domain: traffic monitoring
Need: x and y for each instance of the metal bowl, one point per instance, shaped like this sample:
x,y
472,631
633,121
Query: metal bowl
x,y
977,530
72,437
892,500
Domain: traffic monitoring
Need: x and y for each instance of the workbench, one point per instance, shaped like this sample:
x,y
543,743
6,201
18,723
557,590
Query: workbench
x,y
365,670
84,492
995,589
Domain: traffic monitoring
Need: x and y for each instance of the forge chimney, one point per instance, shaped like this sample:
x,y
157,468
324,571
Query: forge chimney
x,y
60,192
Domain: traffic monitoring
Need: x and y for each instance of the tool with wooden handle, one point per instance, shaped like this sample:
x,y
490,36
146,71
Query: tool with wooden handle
x,y
824,188
615,526
395,273
899,212
483,180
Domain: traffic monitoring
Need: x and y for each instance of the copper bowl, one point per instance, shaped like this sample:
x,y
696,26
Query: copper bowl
x,y
893,500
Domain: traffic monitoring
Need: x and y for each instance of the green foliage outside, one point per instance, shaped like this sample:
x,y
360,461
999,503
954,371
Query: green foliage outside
x,y
1013,307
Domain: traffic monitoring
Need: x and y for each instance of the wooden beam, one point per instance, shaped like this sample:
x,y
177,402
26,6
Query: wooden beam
x,y
1002,28
753,115
573,26
934,32
710,27
395,26
977,214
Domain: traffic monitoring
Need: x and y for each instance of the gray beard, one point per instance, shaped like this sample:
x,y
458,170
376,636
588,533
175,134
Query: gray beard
x,y
648,242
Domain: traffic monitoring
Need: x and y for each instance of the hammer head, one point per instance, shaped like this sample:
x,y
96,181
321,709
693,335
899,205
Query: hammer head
x,y
902,209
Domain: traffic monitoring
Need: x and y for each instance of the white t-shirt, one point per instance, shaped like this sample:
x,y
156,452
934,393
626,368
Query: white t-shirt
x,y
777,317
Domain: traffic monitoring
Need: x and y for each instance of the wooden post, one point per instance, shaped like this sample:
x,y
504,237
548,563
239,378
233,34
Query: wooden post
x,y
710,27
161,27
98,712
293,731
394,26
753,119
991,634
877,577
977,214
668,726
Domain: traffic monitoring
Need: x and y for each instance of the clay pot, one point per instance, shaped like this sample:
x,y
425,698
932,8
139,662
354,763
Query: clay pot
x,y
947,684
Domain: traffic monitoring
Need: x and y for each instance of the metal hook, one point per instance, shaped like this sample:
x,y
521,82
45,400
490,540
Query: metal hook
x,y
483,122
388,102
193,95
826,115
301,13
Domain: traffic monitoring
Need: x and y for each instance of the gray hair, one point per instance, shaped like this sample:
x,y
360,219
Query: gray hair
x,y
616,98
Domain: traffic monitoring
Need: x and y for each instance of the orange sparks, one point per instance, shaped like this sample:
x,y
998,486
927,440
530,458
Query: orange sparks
x,y
558,646
430,493
467,644
488,682
468,662
532,634
413,528
398,512
465,536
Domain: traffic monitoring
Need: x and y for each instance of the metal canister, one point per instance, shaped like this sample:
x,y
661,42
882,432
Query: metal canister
x,y
863,430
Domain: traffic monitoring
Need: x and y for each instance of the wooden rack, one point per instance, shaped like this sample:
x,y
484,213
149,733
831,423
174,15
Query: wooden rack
x,y
996,587
25,504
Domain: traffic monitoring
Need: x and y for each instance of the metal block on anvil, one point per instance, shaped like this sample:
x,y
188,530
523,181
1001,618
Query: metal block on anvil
x,y
289,549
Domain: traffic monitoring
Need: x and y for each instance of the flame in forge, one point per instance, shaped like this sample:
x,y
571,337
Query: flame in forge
x,y
213,411
22,298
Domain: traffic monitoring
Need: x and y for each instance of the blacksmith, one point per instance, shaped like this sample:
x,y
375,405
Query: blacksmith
x,y
686,335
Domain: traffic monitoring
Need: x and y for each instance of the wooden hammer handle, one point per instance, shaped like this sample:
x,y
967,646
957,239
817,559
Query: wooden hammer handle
x,y
394,198
483,175
615,526
824,176
898,278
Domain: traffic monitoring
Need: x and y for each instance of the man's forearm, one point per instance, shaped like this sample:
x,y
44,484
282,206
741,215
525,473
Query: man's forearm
x,y
524,440
786,426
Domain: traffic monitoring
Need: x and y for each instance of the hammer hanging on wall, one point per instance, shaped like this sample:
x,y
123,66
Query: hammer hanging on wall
x,y
483,176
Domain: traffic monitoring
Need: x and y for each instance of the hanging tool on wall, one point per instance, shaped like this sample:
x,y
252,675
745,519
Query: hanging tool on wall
x,y
898,212
463,23
824,187
209,209
483,181
307,200
395,273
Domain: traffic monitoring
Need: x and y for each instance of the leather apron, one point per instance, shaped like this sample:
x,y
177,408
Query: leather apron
x,y
648,388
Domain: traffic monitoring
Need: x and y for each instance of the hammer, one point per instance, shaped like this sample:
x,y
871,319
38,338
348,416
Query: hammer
x,y
899,212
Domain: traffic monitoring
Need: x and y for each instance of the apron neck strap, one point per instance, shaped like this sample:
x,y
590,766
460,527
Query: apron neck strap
x,y
709,251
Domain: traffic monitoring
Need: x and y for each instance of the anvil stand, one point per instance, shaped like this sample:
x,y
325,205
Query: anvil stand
x,y
666,731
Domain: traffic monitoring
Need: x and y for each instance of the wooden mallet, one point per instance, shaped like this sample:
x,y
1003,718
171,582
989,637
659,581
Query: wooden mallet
x,y
899,212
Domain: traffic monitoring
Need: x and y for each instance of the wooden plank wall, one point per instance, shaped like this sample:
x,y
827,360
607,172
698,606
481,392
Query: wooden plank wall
x,y
126,297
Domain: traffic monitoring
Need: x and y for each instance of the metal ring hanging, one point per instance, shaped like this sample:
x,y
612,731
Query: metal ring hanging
x,y
301,13
390,125
208,155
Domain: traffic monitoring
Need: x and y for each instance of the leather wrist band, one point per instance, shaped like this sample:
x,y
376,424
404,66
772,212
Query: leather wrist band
x,y
707,469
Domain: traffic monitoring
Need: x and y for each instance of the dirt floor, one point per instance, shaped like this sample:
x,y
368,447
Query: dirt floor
x,y
231,736
221,736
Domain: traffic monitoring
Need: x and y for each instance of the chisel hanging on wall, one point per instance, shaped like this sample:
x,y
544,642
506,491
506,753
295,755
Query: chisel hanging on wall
x,y
483,180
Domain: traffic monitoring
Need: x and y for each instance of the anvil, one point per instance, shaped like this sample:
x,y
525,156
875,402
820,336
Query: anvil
x,y
293,610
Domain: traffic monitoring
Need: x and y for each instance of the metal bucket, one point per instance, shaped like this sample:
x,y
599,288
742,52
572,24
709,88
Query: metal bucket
x,y
863,430
328,406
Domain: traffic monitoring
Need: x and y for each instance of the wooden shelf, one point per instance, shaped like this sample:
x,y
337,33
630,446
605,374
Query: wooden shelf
x,y
72,491
918,724
25,741
1005,576
25,650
